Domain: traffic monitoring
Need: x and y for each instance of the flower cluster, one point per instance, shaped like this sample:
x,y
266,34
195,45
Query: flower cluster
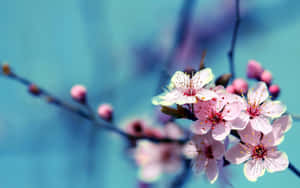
x,y
254,118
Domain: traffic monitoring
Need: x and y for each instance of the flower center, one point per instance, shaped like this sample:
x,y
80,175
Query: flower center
x,y
190,92
215,117
209,152
166,155
259,152
253,110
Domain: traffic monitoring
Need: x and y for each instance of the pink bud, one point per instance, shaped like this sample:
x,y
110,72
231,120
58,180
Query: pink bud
x,y
105,111
274,90
78,93
254,69
266,77
240,86
230,89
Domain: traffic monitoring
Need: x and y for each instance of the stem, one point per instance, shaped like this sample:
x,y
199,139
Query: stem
x,y
234,39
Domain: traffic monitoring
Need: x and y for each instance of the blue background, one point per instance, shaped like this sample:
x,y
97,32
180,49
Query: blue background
x,y
97,43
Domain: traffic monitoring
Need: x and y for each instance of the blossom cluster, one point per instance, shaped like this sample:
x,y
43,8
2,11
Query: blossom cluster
x,y
254,118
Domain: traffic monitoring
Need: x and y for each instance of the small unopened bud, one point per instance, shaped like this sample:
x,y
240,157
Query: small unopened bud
x,y
34,90
254,69
274,90
78,93
105,111
230,89
266,77
240,86
6,69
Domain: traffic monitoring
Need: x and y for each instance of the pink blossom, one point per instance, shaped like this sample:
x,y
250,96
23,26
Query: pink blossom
x,y
240,86
260,151
254,69
184,89
205,152
259,110
136,127
274,90
230,89
105,111
266,77
218,115
78,93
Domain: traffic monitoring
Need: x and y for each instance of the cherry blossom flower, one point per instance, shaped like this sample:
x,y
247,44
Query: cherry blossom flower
x,y
184,89
157,158
218,115
259,110
260,151
205,153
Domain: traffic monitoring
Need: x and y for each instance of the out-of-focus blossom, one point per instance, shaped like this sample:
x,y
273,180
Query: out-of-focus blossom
x,y
260,151
240,86
218,115
78,93
105,111
136,127
254,69
186,89
274,90
266,77
258,110
205,151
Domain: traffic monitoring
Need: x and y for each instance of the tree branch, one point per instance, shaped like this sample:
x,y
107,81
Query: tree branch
x,y
234,38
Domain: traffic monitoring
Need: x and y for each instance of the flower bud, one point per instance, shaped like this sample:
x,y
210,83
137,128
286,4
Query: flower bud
x,y
240,86
105,111
266,77
230,89
6,69
78,93
274,90
254,69
34,90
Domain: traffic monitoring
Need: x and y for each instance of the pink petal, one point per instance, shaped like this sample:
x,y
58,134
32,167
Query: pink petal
x,y
205,94
238,154
190,150
202,78
218,149
201,127
212,170
231,111
261,124
285,123
276,162
254,169
220,131
240,122
150,173
273,109
199,163
203,108
250,136
258,94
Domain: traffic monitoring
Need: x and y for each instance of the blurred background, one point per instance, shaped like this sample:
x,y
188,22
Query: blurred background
x,y
116,48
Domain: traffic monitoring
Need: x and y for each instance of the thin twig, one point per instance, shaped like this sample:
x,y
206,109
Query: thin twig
x,y
234,38
51,99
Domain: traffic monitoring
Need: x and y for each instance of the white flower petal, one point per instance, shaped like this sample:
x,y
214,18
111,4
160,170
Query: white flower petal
x,y
261,124
150,173
277,162
254,169
285,123
202,78
190,150
220,131
258,94
273,109
240,122
238,154
250,136
205,94
231,111
180,80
